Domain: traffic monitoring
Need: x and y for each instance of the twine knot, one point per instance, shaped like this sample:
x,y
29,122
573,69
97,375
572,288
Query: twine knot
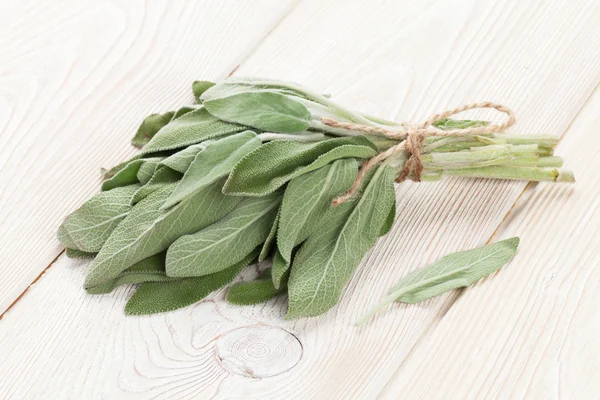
x,y
413,137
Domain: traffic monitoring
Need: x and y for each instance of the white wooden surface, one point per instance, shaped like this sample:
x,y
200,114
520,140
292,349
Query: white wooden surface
x,y
79,77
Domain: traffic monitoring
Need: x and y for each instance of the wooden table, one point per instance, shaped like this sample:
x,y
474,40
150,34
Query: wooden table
x,y
77,77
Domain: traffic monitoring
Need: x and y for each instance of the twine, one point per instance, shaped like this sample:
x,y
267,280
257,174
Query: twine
x,y
412,141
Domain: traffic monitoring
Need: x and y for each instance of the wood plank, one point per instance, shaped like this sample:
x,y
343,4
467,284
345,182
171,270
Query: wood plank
x,y
401,61
531,331
75,81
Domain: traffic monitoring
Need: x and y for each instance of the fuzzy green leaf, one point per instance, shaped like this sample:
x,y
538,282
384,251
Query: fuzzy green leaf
x,y
162,177
78,254
280,270
212,163
151,269
181,160
148,230
226,242
127,175
253,292
275,163
147,169
270,240
447,124
199,87
156,297
151,124
308,198
328,258
449,272
194,127
88,227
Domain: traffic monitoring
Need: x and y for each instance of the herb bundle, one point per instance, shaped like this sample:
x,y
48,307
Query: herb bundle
x,y
249,173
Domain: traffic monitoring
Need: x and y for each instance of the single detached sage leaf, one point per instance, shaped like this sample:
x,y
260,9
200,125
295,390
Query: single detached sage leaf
x,y
150,125
273,164
199,87
151,269
264,110
212,163
78,254
447,124
148,230
88,227
328,258
308,198
226,242
156,297
163,176
449,272
253,292
270,240
194,127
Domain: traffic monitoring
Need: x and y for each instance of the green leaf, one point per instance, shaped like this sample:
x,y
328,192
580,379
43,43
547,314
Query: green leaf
x,y
266,248
151,269
447,124
127,175
147,169
275,163
88,227
106,174
328,258
161,178
449,272
226,242
151,124
156,297
183,111
267,111
308,198
181,160
212,163
199,87
389,222
78,254
253,292
148,230
194,127
279,272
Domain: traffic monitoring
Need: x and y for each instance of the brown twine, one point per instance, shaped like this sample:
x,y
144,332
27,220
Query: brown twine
x,y
414,136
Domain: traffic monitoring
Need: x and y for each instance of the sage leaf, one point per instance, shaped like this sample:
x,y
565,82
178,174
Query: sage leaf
x,y
328,258
79,254
127,175
253,292
264,110
212,163
226,242
181,160
308,198
270,240
106,174
389,222
156,297
280,270
150,125
194,127
147,169
148,230
449,272
151,269
183,111
88,227
161,178
273,164
199,87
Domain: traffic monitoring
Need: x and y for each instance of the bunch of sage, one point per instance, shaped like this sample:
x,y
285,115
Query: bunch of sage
x,y
248,173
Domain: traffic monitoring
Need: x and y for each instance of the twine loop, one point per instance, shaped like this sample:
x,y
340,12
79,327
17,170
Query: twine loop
x,y
413,137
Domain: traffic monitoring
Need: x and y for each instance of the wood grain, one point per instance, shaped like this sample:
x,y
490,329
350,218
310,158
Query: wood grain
x,y
532,331
76,79
400,60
